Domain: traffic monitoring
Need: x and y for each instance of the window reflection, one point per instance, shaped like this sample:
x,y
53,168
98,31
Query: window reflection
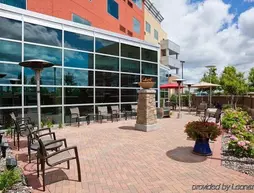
x,y
12,71
128,80
106,63
130,66
130,51
78,59
107,47
78,95
80,20
149,55
49,96
149,68
83,110
78,41
10,96
74,77
16,3
42,34
10,28
49,76
5,119
107,79
10,51
104,95
129,95
53,55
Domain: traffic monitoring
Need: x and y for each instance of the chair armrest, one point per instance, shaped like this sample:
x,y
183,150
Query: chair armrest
x,y
62,150
50,134
74,114
115,111
57,140
43,129
27,119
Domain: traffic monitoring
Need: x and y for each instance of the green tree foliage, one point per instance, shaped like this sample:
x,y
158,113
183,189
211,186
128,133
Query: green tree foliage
x,y
251,80
212,76
233,83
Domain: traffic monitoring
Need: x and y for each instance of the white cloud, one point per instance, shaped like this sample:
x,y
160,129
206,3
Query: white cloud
x,y
207,35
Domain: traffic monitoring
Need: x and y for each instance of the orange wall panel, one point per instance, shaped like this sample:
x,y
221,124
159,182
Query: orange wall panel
x,y
94,11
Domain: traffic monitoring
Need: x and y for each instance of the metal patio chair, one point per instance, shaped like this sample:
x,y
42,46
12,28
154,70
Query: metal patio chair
x,y
52,159
103,113
201,109
75,114
116,112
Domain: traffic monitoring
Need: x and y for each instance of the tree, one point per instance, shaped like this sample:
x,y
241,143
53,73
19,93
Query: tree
x,y
233,83
251,80
212,76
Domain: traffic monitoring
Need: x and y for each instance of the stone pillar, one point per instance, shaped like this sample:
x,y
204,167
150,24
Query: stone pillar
x,y
146,112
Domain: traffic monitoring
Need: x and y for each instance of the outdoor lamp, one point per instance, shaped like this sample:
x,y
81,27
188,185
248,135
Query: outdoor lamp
x,y
37,66
4,147
189,87
179,82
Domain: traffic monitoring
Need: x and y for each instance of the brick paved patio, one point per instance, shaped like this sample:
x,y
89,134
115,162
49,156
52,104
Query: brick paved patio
x,y
116,158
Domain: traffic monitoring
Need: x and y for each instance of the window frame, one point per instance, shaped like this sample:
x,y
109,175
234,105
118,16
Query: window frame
x,y
156,33
136,20
148,24
117,9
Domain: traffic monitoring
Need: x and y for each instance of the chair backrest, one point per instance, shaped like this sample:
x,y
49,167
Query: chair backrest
x,y
74,112
103,109
42,150
202,106
115,108
134,107
13,116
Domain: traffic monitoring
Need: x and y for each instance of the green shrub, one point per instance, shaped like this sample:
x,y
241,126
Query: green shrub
x,y
226,106
8,131
174,98
60,126
8,178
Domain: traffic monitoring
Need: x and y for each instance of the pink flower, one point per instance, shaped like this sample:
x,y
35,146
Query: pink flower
x,y
233,138
241,143
247,142
245,147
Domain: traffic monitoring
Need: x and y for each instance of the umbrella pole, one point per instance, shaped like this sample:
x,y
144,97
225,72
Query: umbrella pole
x,y
38,74
210,96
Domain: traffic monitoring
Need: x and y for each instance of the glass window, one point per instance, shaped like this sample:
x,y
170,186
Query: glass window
x,y
12,71
136,25
10,51
106,63
78,59
129,95
128,80
149,68
83,110
107,79
42,35
148,27
138,3
15,3
126,107
10,28
49,96
73,77
130,51
107,47
149,55
53,55
80,20
53,114
10,96
49,76
105,95
5,118
78,95
163,76
156,34
113,8
78,41
130,66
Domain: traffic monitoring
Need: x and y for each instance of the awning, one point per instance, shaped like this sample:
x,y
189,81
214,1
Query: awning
x,y
170,85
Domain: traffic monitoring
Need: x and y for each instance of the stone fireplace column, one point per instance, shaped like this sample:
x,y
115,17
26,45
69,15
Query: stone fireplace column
x,y
146,112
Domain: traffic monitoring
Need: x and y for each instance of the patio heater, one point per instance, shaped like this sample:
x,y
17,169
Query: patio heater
x,y
210,67
37,66
189,100
179,82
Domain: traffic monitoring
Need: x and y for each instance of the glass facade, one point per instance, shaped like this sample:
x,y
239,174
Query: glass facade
x,y
15,3
89,70
78,19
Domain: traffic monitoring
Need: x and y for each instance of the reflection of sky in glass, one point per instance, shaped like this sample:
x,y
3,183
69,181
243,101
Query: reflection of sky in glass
x,y
53,55
10,28
49,76
107,47
10,51
43,35
138,3
16,3
11,70
136,25
80,20
107,63
78,77
78,41
163,78
78,59
149,68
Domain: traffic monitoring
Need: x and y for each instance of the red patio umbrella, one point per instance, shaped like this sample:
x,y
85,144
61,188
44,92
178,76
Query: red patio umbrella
x,y
170,85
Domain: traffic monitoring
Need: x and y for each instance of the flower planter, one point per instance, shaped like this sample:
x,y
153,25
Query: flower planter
x,y
146,85
202,147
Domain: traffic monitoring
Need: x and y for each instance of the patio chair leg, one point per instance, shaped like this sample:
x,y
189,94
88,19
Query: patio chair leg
x,y
18,141
78,166
38,162
43,174
68,164
14,141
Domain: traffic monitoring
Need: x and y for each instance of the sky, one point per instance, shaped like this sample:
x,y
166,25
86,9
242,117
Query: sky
x,y
210,32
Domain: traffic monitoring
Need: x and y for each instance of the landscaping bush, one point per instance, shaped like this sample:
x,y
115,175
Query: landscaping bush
x,y
226,106
8,178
